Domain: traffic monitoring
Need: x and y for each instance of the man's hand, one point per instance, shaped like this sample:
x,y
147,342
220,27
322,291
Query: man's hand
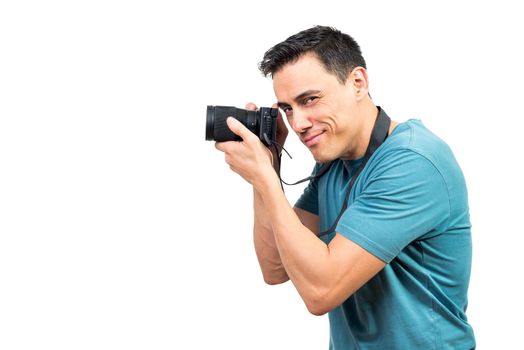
x,y
281,136
250,158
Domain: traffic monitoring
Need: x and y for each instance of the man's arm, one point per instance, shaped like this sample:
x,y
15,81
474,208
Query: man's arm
x,y
265,246
324,275
267,253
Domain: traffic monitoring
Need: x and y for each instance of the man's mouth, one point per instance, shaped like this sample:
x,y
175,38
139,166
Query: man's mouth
x,y
312,140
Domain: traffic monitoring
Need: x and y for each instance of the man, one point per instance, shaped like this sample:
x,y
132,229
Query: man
x,y
393,272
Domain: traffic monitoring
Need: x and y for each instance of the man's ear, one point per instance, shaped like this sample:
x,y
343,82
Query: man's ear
x,y
358,78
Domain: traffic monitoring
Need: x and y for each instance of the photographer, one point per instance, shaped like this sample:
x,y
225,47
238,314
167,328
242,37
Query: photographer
x,y
381,237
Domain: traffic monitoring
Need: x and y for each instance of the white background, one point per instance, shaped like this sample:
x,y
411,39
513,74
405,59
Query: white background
x,y
121,228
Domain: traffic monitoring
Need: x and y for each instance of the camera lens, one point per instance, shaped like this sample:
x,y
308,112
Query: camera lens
x,y
216,126
210,122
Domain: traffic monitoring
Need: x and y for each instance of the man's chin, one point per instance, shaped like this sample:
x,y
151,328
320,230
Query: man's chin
x,y
320,158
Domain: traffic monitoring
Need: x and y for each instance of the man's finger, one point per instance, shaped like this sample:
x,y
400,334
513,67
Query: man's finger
x,y
275,105
226,146
238,128
251,106
220,146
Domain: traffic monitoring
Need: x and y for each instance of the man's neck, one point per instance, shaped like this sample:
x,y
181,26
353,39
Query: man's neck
x,y
368,113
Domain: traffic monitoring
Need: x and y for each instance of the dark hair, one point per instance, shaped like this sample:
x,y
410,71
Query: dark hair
x,y
338,52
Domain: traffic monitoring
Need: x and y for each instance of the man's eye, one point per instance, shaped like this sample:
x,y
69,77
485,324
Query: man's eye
x,y
310,99
287,110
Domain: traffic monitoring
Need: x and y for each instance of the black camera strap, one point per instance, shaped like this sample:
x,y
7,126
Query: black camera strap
x,y
378,136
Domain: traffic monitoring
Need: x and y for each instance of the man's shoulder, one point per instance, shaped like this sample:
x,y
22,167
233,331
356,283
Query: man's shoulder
x,y
414,136
412,146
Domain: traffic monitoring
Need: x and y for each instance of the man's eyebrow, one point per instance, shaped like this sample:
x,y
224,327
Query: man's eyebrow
x,y
298,98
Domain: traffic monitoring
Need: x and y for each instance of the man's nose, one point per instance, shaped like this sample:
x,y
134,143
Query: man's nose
x,y
301,121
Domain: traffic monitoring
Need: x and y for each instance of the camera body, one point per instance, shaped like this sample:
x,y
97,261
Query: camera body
x,y
262,122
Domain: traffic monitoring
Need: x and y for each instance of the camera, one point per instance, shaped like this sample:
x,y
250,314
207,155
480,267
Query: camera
x,y
262,122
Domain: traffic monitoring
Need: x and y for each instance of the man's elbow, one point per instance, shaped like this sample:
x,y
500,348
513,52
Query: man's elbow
x,y
320,304
274,280
318,309
274,275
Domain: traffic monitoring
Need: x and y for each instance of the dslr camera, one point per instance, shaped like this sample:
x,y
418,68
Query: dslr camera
x,y
262,122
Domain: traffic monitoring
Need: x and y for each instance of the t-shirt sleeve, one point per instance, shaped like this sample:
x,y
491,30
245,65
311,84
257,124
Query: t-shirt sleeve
x,y
404,198
308,201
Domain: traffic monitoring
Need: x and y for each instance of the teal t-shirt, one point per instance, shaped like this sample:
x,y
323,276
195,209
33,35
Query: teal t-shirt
x,y
409,208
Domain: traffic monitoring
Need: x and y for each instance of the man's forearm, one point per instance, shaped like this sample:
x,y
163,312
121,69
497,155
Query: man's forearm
x,y
265,245
304,257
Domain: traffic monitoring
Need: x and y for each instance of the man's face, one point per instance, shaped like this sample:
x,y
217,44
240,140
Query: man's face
x,y
321,110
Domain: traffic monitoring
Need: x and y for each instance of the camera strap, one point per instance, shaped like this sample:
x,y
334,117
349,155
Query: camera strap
x,y
378,136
